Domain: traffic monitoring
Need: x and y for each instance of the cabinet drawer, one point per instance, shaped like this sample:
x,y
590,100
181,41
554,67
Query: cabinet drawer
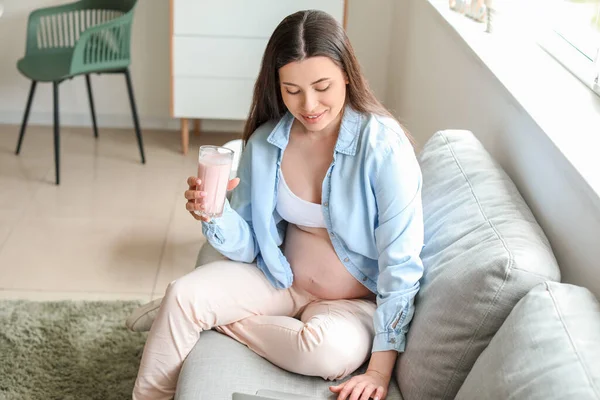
x,y
243,18
221,57
196,97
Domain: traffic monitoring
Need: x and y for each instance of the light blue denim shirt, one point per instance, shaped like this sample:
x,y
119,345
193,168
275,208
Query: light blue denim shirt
x,y
371,201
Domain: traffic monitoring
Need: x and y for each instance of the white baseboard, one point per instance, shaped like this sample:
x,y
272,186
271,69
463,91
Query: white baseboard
x,y
118,121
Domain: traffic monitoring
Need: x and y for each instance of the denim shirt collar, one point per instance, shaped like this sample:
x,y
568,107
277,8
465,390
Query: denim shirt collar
x,y
347,139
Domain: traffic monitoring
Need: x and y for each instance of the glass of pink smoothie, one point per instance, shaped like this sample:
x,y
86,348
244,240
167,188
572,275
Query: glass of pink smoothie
x,y
214,167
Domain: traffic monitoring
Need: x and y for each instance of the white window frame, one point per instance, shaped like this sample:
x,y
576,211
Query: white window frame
x,y
569,56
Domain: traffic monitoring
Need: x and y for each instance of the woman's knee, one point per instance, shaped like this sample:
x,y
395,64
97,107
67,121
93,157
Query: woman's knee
x,y
329,354
195,283
184,292
178,288
185,302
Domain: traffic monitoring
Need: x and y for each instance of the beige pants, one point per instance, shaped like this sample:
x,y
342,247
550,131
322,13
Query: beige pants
x,y
290,328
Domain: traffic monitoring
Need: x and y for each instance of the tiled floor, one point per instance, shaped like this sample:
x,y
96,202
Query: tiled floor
x,y
113,229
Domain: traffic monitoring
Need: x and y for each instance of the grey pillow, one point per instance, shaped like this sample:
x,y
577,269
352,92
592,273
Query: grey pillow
x,y
548,348
483,252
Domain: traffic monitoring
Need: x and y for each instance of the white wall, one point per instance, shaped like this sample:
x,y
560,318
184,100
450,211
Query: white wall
x,y
369,29
368,24
438,83
398,53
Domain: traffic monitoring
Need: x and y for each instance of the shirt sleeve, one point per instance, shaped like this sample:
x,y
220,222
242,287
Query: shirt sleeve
x,y
232,234
399,238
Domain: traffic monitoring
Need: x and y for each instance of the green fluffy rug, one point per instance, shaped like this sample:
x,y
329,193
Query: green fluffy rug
x,y
67,350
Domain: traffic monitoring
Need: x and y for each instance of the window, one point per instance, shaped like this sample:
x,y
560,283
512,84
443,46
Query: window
x,y
570,32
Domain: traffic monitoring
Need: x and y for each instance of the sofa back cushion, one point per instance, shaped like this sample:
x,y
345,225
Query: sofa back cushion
x,y
483,252
548,348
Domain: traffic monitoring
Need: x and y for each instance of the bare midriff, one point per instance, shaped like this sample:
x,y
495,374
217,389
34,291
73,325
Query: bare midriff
x,y
317,268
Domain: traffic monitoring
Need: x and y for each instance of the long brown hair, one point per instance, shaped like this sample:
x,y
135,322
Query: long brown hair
x,y
299,36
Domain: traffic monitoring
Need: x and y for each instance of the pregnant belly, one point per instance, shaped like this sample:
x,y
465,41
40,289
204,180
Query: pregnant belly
x,y
317,269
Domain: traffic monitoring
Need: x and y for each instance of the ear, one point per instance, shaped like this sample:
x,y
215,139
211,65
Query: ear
x,y
346,78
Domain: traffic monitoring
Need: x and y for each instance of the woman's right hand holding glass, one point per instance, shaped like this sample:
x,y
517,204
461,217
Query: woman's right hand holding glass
x,y
195,197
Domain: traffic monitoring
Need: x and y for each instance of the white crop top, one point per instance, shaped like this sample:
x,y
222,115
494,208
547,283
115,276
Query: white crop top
x,y
298,211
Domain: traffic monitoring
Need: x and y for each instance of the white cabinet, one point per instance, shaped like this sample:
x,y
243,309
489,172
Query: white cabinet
x,y
216,51
212,98
230,57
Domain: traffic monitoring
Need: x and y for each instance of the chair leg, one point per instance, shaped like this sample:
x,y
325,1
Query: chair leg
x,y
56,132
136,122
89,89
26,116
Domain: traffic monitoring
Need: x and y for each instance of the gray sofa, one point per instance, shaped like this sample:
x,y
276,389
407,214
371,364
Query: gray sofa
x,y
491,319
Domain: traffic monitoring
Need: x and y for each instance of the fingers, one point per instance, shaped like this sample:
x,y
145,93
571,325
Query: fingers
x,y
337,388
367,392
192,181
195,206
194,184
233,183
379,393
357,391
199,217
194,194
195,199
347,389
196,216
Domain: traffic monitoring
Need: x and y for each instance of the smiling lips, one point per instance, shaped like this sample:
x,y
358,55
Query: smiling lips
x,y
313,118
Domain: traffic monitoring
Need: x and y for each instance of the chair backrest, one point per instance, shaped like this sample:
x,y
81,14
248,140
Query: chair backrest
x,y
59,28
115,5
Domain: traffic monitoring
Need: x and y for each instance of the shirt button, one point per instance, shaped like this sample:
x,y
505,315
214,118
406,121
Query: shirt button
x,y
346,259
365,279
392,340
332,234
326,204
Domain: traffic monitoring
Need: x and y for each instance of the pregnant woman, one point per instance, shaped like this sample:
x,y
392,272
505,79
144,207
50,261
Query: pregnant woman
x,y
323,234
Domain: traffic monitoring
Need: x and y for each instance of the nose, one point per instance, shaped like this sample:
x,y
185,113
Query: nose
x,y
310,102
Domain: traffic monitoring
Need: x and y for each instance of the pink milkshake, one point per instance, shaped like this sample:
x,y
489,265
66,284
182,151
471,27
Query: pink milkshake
x,y
214,167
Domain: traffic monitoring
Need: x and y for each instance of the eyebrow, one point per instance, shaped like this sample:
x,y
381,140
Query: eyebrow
x,y
314,83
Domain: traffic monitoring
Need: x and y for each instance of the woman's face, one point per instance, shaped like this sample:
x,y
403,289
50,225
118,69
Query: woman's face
x,y
314,91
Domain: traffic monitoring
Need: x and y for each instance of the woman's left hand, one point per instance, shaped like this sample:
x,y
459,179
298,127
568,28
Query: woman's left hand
x,y
370,385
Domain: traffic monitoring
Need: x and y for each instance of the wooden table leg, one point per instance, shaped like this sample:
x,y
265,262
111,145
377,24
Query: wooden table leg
x,y
197,127
185,135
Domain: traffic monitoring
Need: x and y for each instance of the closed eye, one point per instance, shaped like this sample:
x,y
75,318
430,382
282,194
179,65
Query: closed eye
x,y
318,90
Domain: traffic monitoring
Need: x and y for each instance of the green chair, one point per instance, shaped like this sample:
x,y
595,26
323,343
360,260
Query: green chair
x,y
89,36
